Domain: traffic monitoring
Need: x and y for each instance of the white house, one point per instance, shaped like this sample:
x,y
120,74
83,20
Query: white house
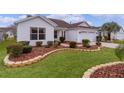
x,y
40,28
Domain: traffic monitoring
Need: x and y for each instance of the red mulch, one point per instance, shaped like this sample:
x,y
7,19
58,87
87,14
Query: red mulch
x,y
36,51
115,71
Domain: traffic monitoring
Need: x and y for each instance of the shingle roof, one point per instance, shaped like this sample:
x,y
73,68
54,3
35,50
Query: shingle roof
x,y
77,24
61,23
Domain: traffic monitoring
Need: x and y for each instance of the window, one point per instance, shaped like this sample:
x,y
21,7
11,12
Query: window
x,y
55,34
37,33
41,33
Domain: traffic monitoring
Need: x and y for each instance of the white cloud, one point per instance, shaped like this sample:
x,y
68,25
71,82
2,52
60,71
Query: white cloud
x,y
10,19
109,16
70,18
22,16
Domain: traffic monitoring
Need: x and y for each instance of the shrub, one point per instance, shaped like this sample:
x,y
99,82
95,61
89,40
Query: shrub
x,y
62,39
39,43
105,38
9,48
85,42
27,49
56,44
24,43
98,38
72,44
50,43
119,51
16,50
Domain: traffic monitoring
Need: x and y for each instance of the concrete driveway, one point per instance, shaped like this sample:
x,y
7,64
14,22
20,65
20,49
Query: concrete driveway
x,y
109,45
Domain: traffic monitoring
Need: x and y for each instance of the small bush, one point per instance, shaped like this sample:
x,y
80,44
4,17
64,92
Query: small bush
x,y
62,39
105,38
119,51
98,38
56,44
72,44
50,43
39,43
16,50
27,49
85,42
24,43
9,48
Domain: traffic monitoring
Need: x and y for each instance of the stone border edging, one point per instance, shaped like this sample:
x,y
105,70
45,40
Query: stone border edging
x,y
10,63
90,71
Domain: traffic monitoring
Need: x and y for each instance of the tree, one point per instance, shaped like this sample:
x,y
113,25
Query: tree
x,y
109,28
119,51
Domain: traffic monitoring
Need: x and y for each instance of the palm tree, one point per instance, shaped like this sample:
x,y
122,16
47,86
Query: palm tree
x,y
109,28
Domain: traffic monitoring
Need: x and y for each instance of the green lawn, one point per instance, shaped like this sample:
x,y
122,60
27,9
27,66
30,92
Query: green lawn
x,y
118,41
61,64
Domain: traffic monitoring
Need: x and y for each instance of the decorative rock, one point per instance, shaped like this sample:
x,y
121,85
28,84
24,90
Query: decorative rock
x,y
93,69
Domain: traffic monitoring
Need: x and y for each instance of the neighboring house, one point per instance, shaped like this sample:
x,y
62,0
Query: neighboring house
x,y
119,35
39,28
9,31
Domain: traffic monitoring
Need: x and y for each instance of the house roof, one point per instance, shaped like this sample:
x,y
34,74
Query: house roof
x,y
61,23
33,17
58,22
79,24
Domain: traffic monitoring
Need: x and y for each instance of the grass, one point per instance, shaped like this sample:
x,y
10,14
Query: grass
x,y
61,64
118,41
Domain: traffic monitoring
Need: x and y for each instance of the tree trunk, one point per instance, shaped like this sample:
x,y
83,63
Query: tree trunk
x,y
109,36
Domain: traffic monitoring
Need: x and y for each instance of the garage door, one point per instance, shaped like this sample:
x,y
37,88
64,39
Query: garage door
x,y
87,35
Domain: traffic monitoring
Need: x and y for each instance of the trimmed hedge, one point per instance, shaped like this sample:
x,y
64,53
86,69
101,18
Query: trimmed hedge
x,y
50,43
15,50
62,39
85,42
27,49
72,44
39,43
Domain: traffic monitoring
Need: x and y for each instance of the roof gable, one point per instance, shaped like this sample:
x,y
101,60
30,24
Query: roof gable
x,y
41,17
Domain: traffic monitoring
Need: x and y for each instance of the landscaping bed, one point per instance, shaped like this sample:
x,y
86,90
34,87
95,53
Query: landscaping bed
x,y
36,51
114,71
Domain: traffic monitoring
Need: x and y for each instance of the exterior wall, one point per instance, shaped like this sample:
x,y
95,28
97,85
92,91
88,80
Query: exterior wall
x,y
23,31
71,35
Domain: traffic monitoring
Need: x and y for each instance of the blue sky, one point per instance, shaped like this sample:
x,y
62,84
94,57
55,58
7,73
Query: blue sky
x,y
93,19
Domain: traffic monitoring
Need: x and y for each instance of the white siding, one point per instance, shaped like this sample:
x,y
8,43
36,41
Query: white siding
x,y
71,35
23,31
